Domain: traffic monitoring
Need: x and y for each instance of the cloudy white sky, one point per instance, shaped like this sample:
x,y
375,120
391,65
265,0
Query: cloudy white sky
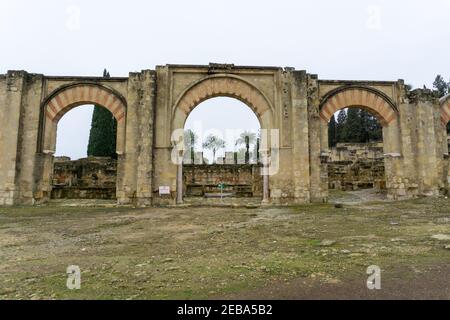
x,y
353,39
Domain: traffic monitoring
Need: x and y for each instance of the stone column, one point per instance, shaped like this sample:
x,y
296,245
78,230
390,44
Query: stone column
x,y
395,185
136,173
11,91
408,141
426,150
300,137
319,190
180,178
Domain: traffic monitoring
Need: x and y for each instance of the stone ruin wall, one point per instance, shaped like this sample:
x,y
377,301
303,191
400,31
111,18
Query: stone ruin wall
x,y
95,178
355,151
354,166
241,180
152,104
89,178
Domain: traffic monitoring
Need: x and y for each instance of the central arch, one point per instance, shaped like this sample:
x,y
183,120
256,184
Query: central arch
x,y
222,86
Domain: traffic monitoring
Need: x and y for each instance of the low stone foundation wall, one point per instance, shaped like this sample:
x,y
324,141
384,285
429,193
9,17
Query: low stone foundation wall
x,y
361,174
89,178
354,166
241,180
356,151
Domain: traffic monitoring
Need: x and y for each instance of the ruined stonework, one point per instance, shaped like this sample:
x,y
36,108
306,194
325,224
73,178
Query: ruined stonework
x,y
239,180
294,106
356,151
89,178
353,166
358,174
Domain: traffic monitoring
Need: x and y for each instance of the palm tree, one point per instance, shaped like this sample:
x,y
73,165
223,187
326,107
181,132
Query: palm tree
x,y
190,141
214,143
247,138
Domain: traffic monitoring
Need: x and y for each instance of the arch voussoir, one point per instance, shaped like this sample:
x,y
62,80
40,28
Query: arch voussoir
x,y
445,109
221,85
358,97
67,98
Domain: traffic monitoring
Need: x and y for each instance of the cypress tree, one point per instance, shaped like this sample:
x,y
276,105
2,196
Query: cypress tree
x,y
340,126
356,125
374,129
365,119
102,138
353,126
247,150
332,132
257,150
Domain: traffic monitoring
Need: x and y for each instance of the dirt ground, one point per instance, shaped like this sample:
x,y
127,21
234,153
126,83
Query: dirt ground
x,y
302,252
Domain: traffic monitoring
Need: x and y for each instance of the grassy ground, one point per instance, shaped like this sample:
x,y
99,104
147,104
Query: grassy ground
x,y
201,253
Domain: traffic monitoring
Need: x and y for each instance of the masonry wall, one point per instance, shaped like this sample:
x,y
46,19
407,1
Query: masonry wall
x,y
359,174
20,95
89,178
353,166
11,86
135,169
415,151
241,180
355,151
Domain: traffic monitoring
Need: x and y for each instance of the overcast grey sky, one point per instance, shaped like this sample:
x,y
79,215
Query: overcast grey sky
x,y
353,39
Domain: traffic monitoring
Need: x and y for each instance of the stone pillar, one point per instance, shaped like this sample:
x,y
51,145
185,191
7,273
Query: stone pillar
x,y
11,100
319,191
265,173
30,119
395,184
408,140
44,174
136,178
300,137
426,150
20,95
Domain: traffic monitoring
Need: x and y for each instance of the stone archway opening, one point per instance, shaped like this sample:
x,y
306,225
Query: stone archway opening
x,y
85,178
221,159
359,141
214,86
355,152
85,160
